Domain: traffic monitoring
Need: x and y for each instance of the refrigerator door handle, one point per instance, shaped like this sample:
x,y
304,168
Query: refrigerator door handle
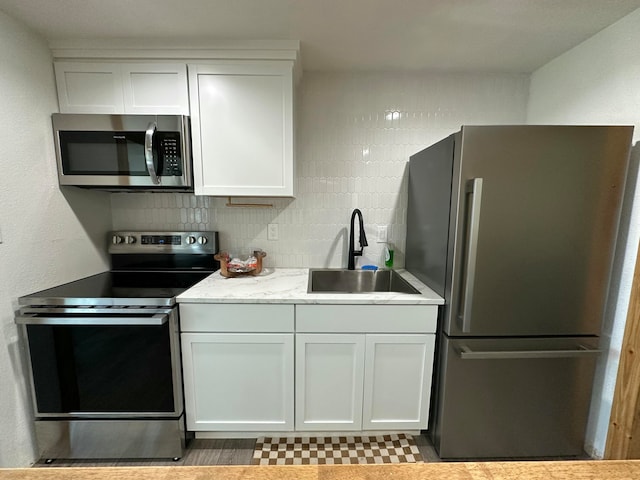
x,y
473,188
581,351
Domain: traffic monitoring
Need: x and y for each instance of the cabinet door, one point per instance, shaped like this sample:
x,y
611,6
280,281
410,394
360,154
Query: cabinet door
x,y
329,378
397,382
238,382
89,87
155,88
242,129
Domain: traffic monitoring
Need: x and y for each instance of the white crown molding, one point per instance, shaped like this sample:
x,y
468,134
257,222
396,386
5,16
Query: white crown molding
x,y
186,50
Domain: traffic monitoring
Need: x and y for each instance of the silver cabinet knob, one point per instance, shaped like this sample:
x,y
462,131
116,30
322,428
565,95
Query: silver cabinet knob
x,y
202,240
191,240
116,239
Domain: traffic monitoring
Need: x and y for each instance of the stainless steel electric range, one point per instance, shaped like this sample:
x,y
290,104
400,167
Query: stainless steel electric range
x,y
104,350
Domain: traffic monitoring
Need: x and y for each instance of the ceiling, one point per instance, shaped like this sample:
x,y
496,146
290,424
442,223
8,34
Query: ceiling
x,y
347,35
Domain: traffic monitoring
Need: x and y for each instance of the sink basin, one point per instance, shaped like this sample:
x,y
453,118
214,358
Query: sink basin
x,y
330,280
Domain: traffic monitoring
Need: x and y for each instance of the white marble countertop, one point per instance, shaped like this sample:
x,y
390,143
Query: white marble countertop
x,y
289,285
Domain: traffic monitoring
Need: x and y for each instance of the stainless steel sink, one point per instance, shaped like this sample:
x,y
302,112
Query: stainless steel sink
x,y
331,280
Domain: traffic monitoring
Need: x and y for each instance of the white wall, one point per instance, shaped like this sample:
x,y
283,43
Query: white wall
x,y
47,237
598,82
355,135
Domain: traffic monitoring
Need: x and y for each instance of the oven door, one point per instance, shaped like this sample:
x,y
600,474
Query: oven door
x,y
104,363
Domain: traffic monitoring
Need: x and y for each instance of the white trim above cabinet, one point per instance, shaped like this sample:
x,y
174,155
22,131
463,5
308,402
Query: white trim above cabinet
x,y
242,128
151,88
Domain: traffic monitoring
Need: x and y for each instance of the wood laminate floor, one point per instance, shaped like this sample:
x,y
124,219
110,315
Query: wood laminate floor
x,y
211,452
584,470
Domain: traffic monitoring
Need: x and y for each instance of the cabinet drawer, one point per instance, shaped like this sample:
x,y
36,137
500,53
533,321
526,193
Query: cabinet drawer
x,y
366,318
195,317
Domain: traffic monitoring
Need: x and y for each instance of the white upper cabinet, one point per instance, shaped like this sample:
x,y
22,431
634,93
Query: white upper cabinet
x,y
155,88
122,88
89,87
242,128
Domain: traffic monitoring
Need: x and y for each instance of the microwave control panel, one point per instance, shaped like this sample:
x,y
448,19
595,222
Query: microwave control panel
x,y
170,154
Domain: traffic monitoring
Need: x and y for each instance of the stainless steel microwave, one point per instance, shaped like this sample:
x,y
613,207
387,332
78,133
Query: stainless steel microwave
x,y
124,152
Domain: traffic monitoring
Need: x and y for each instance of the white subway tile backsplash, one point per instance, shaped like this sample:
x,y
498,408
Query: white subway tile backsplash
x,y
355,133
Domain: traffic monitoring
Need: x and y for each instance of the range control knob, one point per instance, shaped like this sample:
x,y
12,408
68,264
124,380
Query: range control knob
x,y
202,240
191,240
130,240
116,239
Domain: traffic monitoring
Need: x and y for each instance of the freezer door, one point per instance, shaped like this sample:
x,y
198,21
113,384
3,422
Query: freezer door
x,y
534,227
514,397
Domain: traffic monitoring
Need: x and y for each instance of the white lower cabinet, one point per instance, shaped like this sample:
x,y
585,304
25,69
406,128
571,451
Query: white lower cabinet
x,y
363,381
237,381
329,376
356,368
397,381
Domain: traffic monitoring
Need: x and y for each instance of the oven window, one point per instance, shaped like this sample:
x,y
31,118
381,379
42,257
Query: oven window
x,y
103,153
101,369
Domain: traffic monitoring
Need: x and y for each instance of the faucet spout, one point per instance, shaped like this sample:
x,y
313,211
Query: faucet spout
x,y
353,253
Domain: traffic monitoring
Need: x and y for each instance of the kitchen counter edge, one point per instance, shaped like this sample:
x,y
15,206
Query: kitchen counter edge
x,y
289,285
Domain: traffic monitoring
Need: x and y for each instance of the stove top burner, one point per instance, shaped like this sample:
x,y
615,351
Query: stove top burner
x,y
119,288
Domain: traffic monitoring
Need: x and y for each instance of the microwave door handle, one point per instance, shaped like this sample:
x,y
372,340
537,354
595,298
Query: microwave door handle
x,y
148,152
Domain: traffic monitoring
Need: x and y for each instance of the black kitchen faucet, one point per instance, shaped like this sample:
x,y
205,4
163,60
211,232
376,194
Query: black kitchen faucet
x,y
363,240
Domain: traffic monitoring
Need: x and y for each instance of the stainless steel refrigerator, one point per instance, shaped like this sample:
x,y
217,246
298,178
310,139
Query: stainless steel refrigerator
x,y
515,226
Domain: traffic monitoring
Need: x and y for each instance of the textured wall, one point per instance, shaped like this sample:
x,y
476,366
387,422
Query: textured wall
x,y
598,83
355,133
47,237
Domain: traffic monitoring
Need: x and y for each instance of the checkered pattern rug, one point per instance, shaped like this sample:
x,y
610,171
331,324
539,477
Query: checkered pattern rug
x,y
395,448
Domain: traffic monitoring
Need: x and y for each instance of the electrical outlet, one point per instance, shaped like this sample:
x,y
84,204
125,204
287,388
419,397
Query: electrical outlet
x,y
382,234
272,231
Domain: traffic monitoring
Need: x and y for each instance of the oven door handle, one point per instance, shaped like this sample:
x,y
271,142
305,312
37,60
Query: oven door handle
x,y
96,321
